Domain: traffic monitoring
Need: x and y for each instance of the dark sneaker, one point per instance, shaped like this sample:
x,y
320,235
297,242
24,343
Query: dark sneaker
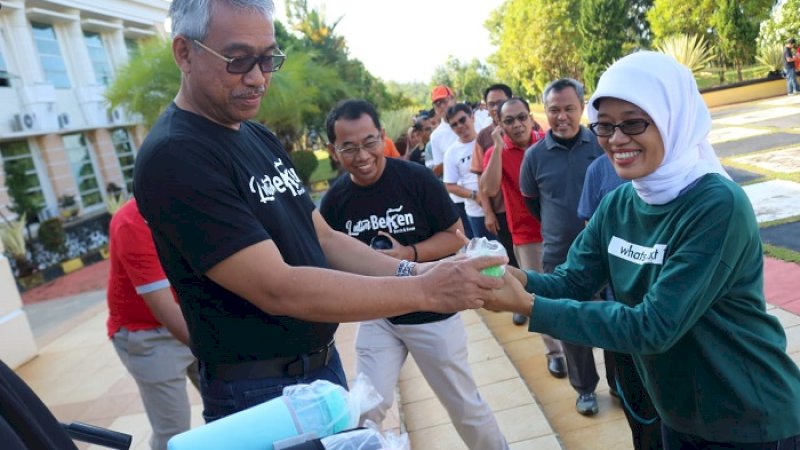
x,y
519,319
557,366
587,404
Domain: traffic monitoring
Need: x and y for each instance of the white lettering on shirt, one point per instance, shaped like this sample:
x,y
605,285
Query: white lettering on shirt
x,y
636,253
268,185
394,222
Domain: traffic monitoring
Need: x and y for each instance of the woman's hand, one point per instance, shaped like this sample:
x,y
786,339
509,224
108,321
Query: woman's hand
x,y
511,297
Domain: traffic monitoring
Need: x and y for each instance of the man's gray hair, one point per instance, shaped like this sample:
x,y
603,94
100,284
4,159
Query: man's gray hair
x,y
190,18
561,84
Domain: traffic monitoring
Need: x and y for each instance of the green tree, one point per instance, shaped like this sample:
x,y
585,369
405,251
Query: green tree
x,y
467,79
736,24
148,82
604,34
783,24
669,17
639,32
536,42
331,49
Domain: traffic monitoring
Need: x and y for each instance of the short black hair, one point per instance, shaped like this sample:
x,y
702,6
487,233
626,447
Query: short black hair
x,y
564,83
792,41
497,87
453,110
511,100
350,109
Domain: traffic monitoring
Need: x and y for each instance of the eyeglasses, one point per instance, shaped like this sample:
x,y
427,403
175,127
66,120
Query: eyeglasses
x,y
521,117
458,122
351,151
244,64
628,127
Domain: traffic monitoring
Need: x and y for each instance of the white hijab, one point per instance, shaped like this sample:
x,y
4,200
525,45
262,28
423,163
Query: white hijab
x,y
667,92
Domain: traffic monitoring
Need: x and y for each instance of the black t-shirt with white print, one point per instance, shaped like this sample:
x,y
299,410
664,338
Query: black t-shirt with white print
x,y
208,191
408,202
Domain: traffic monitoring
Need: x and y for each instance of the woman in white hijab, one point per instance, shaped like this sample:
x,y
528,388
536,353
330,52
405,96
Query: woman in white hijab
x,y
681,249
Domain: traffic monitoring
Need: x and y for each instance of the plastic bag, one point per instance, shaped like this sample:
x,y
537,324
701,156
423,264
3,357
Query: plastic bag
x,y
485,247
324,408
369,438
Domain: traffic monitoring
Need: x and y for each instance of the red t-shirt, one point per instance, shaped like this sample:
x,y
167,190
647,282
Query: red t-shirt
x,y
524,228
135,270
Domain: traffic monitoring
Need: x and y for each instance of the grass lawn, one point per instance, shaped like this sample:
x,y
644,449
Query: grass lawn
x,y
324,172
710,78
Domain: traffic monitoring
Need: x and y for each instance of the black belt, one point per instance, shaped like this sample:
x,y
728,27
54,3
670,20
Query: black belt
x,y
284,366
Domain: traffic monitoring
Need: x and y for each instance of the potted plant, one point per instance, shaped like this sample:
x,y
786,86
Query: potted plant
x,y
12,234
68,206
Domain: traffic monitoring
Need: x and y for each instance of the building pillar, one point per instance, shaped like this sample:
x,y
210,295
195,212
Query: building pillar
x,y
17,345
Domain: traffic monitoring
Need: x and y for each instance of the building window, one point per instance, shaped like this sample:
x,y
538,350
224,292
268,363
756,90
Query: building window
x,y
55,71
132,45
124,149
83,169
5,77
99,57
18,163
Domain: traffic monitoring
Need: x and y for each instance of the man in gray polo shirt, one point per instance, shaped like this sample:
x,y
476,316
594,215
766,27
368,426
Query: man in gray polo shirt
x,y
551,180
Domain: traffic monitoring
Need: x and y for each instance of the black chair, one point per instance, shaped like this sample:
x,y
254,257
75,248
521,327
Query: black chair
x,y
27,424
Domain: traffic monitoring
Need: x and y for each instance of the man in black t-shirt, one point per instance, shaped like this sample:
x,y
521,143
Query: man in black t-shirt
x,y
406,203
238,236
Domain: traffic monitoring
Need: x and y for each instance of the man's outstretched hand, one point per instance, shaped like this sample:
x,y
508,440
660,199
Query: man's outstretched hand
x,y
457,284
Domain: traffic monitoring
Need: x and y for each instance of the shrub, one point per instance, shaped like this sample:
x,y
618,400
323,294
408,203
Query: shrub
x,y
689,50
12,234
52,235
305,162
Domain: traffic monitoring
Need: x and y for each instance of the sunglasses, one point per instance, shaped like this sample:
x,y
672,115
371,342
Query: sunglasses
x,y
244,64
458,122
628,127
521,117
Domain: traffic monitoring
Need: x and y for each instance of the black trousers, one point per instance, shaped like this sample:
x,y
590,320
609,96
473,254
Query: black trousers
x,y
580,360
25,422
639,411
504,236
674,440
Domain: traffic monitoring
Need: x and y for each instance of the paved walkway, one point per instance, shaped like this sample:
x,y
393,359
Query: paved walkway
x,y
79,376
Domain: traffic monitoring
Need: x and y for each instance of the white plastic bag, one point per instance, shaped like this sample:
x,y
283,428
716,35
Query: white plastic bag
x,y
485,247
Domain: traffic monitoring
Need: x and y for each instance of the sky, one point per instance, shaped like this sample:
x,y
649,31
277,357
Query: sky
x,y
404,40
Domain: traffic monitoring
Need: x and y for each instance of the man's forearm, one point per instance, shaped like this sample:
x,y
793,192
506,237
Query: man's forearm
x,y
441,244
461,191
351,255
490,179
162,304
534,207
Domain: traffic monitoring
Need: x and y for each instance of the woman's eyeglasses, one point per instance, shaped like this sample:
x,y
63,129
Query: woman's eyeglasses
x,y
351,151
521,117
628,127
244,64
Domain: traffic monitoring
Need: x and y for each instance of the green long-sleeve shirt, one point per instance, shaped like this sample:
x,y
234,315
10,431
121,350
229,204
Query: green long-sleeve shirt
x,y
690,307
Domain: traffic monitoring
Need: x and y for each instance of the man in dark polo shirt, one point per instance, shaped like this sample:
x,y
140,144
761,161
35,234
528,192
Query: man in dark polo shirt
x,y
551,180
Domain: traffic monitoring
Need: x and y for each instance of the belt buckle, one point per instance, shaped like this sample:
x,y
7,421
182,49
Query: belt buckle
x,y
302,364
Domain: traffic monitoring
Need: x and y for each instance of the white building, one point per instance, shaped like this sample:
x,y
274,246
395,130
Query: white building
x,y
56,59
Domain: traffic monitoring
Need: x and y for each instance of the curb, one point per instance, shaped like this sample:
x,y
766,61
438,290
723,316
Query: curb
x,y
58,270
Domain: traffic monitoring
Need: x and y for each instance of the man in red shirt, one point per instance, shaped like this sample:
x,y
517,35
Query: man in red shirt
x,y
146,326
512,138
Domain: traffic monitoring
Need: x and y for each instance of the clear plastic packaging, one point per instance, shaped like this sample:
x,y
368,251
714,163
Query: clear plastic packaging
x,y
369,438
485,247
304,412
